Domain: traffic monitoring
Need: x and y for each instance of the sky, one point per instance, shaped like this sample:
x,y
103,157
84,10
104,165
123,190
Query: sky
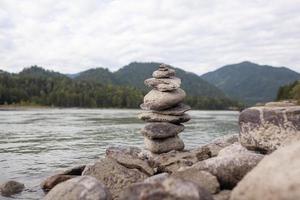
x,y
196,35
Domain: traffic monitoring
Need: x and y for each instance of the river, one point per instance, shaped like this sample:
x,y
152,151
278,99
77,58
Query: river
x,y
35,143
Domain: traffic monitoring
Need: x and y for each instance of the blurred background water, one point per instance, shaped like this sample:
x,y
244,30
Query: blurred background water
x,y
37,142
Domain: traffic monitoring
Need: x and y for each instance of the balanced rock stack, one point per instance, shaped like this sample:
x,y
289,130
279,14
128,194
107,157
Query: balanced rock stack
x,y
164,111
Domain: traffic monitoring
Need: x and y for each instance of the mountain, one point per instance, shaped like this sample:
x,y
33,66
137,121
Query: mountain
x,y
35,71
135,73
250,82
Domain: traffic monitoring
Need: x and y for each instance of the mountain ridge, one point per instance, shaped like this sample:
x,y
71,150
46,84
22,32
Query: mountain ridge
x,y
251,82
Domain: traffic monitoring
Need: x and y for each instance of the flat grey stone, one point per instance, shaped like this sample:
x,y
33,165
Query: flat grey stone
x,y
164,145
157,100
155,117
163,84
160,130
163,74
179,109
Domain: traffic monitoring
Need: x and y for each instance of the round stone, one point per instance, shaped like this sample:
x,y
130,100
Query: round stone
x,y
161,130
157,100
164,145
155,117
163,84
80,188
163,74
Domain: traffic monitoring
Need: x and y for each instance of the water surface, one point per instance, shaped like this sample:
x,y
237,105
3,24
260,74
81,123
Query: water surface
x,y
36,143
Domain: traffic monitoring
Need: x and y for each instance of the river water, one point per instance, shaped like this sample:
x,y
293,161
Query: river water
x,y
39,142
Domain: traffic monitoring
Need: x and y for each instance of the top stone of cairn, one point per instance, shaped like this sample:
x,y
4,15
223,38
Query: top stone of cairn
x,y
163,72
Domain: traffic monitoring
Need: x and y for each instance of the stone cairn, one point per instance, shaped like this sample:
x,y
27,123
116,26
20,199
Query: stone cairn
x,y
164,112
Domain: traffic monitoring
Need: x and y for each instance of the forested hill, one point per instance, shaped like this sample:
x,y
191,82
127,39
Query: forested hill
x,y
135,73
37,86
290,91
250,82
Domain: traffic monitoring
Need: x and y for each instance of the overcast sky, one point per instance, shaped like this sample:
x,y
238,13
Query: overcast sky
x,y
196,35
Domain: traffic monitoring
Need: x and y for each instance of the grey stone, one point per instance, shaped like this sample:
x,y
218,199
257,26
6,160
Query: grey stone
x,y
223,195
52,181
163,84
276,177
80,188
202,178
130,157
218,144
235,148
11,187
160,130
166,73
157,100
158,178
266,128
168,189
154,117
229,169
164,145
115,176
177,110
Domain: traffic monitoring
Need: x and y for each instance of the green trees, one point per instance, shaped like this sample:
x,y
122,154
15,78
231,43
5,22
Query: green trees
x,y
291,91
36,86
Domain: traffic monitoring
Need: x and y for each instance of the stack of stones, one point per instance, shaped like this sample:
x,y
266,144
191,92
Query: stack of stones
x,y
164,112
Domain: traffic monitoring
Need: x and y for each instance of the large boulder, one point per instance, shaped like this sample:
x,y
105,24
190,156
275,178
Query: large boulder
x,y
266,128
229,169
130,157
115,176
168,189
202,178
276,177
80,188
11,187
222,195
157,100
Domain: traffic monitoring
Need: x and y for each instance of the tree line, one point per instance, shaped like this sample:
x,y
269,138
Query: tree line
x,y
62,91
290,91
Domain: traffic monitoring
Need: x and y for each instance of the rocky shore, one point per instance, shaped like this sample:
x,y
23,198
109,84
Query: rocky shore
x,y
261,162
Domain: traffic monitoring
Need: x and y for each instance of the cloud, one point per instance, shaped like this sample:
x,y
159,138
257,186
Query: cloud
x,y
199,36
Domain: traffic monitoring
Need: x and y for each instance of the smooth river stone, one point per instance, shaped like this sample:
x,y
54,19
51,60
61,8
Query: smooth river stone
x,y
80,188
163,74
157,100
180,109
164,145
161,130
163,84
155,117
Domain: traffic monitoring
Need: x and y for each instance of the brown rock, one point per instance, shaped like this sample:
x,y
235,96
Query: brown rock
x,y
266,128
161,130
202,178
10,188
168,189
80,188
164,145
52,181
223,195
276,177
156,100
115,176
229,169
130,157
